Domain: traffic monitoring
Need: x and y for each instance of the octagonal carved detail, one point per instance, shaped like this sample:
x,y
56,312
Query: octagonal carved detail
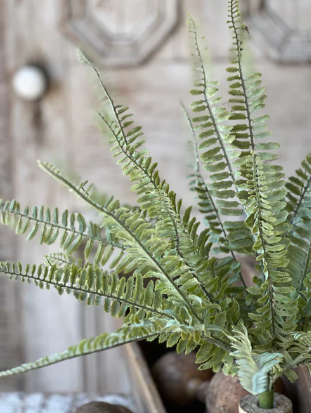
x,y
118,32
281,28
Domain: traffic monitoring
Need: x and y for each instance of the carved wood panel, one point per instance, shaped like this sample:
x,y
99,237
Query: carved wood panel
x,y
282,29
118,32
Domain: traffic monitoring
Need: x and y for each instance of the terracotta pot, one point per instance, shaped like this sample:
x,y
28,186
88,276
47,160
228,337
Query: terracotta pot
x,y
223,393
249,404
178,378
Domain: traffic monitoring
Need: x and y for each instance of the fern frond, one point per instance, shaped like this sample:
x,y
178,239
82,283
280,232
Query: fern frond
x,y
253,370
155,196
209,209
299,253
296,349
95,287
146,330
71,229
214,134
262,192
160,203
299,191
60,259
145,251
197,184
217,137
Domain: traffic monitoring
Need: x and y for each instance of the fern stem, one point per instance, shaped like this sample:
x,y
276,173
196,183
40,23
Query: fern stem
x,y
129,156
219,343
305,271
120,223
82,353
81,290
164,203
62,228
63,261
301,197
208,295
109,99
255,167
266,399
202,182
257,191
214,123
293,363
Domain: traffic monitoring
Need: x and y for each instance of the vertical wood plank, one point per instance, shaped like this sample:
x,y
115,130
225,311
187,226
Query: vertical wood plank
x,y
39,130
9,335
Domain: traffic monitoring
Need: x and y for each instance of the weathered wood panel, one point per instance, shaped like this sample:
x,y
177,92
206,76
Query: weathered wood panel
x,y
9,337
145,392
38,129
61,128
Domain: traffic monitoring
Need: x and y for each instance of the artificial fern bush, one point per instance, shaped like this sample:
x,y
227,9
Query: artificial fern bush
x,y
184,285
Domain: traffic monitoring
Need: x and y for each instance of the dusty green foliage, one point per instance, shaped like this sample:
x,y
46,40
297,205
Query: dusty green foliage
x,y
154,268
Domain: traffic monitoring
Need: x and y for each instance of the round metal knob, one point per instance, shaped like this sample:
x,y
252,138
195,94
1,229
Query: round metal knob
x,y
30,83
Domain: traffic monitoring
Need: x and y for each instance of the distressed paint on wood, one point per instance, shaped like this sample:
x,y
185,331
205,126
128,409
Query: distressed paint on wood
x,y
145,392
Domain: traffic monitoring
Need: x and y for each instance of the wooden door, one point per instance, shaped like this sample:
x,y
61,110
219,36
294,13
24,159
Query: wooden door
x,y
60,128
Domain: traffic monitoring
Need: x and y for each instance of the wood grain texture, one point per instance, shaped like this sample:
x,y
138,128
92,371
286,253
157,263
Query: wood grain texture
x,y
145,393
300,391
9,338
37,128
60,128
120,33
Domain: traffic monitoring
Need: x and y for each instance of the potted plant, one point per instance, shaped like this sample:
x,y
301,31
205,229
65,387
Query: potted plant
x,y
195,299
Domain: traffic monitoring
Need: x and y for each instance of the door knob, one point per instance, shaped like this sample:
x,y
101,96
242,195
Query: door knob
x,y
30,82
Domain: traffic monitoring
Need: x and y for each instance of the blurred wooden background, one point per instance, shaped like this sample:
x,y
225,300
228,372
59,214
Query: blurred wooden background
x,y
60,128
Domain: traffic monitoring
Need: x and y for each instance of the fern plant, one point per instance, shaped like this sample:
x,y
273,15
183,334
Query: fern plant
x,y
167,279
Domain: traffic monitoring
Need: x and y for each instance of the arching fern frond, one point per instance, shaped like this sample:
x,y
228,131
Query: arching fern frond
x,y
211,214
299,191
71,229
296,349
262,192
146,330
155,196
145,251
217,137
253,370
299,253
206,203
60,259
118,296
214,134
